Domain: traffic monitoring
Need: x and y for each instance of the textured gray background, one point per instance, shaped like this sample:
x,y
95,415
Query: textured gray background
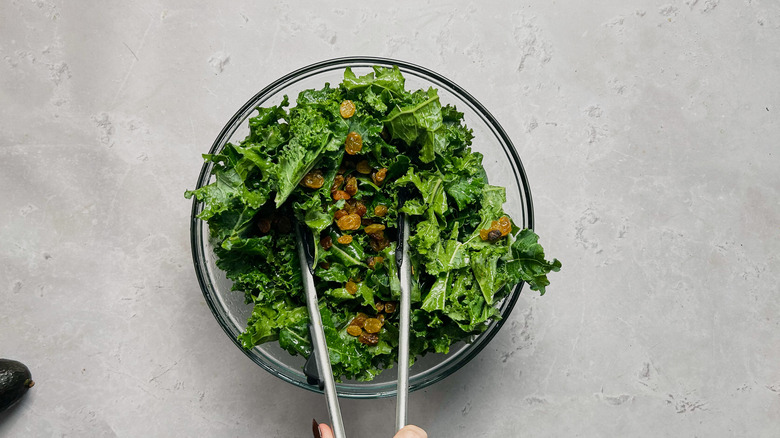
x,y
649,131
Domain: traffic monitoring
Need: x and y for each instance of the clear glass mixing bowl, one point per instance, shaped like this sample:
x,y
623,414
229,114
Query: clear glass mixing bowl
x,y
503,167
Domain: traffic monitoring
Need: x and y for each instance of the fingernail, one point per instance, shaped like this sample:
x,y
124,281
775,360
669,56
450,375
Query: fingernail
x,y
315,428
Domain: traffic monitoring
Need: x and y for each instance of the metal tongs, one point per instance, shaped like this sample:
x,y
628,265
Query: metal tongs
x,y
405,274
318,369
319,358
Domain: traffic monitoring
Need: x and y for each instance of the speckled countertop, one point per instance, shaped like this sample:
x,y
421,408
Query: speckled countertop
x,y
650,135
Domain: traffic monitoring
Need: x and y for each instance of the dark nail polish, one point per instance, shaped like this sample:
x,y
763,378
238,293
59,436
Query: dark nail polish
x,y
315,428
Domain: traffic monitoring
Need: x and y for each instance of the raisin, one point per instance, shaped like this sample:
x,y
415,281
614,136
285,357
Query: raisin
x,y
363,167
340,214
351,287
379,176
347,109
374,228
345,239
325,265
494,235
379,235
354,143
349,222
313,179
359,320
352,186
337,182
372,325
381,318
338,195
373,262
504,225
380,210
378,241
326,242
354,330
390,307
369,338
360,209
483,234
379,306
264,224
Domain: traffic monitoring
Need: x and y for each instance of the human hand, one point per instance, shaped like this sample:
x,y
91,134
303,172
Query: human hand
x,y
324,431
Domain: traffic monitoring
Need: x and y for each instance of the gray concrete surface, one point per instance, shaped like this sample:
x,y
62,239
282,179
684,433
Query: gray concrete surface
x,y
649,131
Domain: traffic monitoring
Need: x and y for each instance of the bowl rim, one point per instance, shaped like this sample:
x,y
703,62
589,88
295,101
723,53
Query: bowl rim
x,y
196,225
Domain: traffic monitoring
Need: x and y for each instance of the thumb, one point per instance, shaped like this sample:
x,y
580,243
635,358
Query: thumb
x,y
410,432
325,431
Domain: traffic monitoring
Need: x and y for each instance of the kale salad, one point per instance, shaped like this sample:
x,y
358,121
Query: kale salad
x,y
338,160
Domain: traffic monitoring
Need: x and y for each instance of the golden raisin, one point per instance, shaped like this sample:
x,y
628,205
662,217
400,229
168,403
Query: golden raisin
x,y
347,109
483,234
390,307
379,306
352,186
313,179
340,214
345,239
337,182
374,228
338,195
369,338
360,209
372,325
326,242
359,320
354,143
363,167
354,330
504,225
349,222
381,318
264,224
379,176
380,210
373,262
351,287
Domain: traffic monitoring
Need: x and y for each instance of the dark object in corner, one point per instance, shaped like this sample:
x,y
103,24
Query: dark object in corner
x,y
15,380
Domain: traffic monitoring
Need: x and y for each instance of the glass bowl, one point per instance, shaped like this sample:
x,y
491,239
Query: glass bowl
x,y
503,167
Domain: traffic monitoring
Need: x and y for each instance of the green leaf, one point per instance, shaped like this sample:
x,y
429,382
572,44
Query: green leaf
x,y
437,295
389,79
418,123
528,262
350,255
312,133
485,267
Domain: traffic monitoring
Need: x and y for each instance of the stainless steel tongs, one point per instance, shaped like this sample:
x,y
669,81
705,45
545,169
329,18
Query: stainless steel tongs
x,y
319,356
405,274
318,369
